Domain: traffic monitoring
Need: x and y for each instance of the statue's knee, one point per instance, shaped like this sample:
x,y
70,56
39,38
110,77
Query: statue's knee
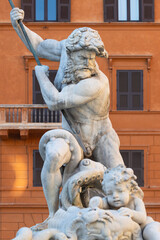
x,y
54,149
57,153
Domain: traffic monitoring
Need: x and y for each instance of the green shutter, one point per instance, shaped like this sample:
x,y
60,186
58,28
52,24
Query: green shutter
x,y
28,7
64,8
110,10
148,10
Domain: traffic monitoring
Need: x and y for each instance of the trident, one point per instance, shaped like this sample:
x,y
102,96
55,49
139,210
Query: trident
x,y
69,121
26,37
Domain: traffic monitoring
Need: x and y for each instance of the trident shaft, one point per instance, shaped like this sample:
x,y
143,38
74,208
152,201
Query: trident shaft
x,y
69,121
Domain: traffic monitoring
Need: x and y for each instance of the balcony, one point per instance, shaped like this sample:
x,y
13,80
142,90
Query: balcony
x,y
26,118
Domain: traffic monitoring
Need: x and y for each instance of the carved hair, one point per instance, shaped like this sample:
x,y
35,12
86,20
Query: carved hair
x,y
121,174
82,39
86,38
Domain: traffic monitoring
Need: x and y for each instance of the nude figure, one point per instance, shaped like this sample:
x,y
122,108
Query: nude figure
x,y
82,91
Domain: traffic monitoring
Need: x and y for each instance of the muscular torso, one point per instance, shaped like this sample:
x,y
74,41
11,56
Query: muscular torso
x,y
91,119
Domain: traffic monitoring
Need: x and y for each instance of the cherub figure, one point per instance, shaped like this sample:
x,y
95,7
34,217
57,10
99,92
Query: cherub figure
x,y
122,194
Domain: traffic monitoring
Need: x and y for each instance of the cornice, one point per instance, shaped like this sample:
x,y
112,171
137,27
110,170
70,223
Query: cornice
x,y
98,25
146,57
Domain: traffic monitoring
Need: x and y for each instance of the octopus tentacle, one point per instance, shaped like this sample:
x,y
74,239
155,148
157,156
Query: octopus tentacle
x,y
70,194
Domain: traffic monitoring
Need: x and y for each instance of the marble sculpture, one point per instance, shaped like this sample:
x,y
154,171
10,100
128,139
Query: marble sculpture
x,y
100,198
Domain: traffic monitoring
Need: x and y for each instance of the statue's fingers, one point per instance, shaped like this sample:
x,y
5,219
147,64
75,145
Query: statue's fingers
x,y
110,215
108,218
21,11
15,15
124,213
18,18
15,10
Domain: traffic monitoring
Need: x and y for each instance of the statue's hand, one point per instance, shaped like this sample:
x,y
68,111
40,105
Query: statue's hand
x,y
106,214
42,68
96,202
123,211
16,14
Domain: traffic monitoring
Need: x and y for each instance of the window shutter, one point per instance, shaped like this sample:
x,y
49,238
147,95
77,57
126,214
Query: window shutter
x,y
148,10
130,90
110,10
52,75
64,7
125,156
136,93
137,163
28,7
40,114
122,90
37,167
37,96
135,159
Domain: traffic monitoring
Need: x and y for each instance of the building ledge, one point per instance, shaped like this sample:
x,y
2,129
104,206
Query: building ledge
x,y
98,25
25,118
146,57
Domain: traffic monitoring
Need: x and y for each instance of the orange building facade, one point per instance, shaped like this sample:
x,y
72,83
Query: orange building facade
x,y
133,47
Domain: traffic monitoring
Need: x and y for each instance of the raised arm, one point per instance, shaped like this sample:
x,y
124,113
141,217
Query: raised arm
x,y
49,49
71,96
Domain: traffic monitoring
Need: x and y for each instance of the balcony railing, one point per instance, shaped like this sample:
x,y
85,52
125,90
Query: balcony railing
x,y
23,114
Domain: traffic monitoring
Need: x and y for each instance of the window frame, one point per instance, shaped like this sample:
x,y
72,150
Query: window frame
x,y
59,17
141,182
43,115
128,13
45,12
35,169
34,89
142,12
130,93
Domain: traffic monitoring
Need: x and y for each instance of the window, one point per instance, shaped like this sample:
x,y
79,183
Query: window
x,y
129,90
128,10
41,114
46,10
37,96
37,167
135,159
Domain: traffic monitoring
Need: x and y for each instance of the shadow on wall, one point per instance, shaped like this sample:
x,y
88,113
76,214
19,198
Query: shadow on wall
x,y
21,204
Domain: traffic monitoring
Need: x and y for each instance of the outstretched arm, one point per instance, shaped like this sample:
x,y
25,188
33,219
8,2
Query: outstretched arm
x,y
49,49
72,95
